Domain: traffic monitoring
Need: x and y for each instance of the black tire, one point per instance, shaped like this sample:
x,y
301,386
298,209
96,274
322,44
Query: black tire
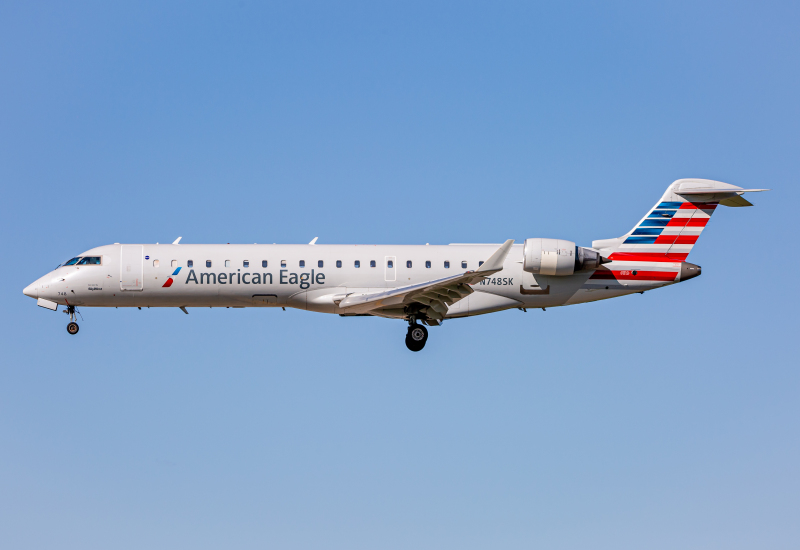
x,y
416,337
414,345
73,328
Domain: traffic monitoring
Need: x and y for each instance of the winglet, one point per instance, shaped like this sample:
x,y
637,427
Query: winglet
x,y
495,261
314,241
176,241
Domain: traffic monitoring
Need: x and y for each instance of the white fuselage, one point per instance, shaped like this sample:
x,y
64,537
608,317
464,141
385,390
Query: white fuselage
x,y
254,275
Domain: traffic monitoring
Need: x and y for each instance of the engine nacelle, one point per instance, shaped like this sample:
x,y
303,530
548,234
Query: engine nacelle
x,y
558,257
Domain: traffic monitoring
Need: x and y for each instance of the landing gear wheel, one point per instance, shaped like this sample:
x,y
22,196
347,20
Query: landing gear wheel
x,y
416,337
72,328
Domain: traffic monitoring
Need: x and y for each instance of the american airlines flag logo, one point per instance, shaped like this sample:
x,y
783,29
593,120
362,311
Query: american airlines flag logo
x,y
169,281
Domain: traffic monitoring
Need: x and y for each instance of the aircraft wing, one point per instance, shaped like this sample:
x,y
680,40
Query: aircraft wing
x,y
436,294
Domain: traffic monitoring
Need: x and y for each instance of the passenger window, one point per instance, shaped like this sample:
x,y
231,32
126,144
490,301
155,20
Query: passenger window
x,y
447,265
480,264
155,263
358,263
263,263
428,265
90,260
463,265
227,263
246,263
408,264
338,263
283,263
390,264
190,263
174,263
320,263
372,263
302,263
208,263
73,261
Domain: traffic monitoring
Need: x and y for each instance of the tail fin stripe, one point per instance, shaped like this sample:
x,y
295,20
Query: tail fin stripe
x,y
654,223
690,222
646,257
677,239
698,206
661,214
674,205
640,240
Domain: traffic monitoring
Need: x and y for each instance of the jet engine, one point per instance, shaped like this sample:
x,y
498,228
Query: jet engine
x,y
558,257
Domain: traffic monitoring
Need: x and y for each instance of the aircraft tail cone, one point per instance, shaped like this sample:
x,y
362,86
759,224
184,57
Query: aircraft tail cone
x,y
689,271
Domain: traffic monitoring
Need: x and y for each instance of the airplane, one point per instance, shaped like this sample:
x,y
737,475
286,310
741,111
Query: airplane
x,y
421,284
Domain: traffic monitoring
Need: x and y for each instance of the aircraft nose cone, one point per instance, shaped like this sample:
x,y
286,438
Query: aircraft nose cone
x,y
31,290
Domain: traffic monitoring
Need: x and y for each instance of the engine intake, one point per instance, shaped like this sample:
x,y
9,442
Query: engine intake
x,y
558,257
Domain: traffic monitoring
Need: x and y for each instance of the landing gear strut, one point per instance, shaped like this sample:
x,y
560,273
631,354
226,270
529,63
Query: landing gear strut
x,y
416,337
72,327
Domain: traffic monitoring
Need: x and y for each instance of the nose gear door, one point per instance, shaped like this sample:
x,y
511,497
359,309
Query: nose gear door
x,y
131,267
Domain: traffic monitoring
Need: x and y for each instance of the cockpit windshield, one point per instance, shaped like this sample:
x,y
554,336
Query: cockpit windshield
x,y
90,260
73,261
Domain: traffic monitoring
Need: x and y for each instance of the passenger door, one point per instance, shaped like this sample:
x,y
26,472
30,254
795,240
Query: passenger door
x,y
131,267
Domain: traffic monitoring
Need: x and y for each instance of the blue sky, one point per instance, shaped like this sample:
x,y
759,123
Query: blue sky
x,y
663,420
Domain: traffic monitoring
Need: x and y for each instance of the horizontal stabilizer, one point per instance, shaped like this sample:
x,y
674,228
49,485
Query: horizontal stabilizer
x,y
696,190
714,191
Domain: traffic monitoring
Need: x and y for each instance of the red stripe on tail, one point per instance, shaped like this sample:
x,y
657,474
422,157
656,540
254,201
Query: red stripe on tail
x,y
646,257
625,275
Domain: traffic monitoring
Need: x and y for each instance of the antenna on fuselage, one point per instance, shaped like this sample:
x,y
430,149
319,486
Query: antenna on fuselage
x,y
314,241
177,241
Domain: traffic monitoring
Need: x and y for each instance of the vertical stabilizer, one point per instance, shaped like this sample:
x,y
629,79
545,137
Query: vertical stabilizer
x,y
669,231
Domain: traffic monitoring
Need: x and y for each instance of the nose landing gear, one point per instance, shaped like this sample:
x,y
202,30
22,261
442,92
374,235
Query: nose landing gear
x,y
72,327
416,337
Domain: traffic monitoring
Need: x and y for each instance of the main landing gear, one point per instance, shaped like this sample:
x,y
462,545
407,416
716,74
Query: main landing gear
x,y
72,327
416,337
